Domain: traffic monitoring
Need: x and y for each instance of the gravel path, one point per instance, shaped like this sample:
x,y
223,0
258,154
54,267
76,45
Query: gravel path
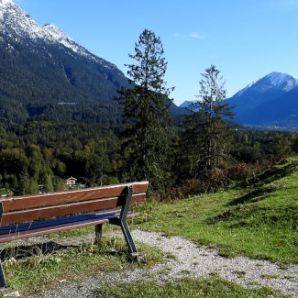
x,y
193,261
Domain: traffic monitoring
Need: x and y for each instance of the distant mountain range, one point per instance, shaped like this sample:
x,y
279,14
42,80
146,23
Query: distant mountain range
x,y
45,75
271,102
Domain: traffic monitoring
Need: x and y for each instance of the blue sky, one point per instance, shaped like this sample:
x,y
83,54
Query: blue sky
x,y
246,39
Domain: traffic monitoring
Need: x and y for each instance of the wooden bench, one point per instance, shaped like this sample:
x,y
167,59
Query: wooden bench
x,y
29,216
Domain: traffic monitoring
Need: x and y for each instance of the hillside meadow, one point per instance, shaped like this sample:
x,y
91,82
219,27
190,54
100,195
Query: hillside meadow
x,y
259,220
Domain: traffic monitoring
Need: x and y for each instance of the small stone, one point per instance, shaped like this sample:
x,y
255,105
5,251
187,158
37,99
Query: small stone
x,y
12,261
10,294
114,251
137,257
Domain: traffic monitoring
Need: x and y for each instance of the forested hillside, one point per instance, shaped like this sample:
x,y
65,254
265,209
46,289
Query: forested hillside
x,y
46,153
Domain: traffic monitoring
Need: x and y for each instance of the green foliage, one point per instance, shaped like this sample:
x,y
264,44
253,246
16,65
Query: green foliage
x,y
207,134
46,153
255,146
146,114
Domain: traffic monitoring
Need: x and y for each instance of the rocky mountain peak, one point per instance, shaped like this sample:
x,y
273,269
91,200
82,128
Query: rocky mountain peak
x,y
17,26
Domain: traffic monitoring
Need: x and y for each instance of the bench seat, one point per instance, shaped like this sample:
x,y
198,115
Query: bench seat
x,y
32,216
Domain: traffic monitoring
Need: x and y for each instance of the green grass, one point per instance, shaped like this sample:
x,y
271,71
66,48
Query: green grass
x,y
74,233
211,287
107,229
38,273
260,221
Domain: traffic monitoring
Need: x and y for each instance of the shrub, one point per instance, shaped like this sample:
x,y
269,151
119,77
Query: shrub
x,y
243,171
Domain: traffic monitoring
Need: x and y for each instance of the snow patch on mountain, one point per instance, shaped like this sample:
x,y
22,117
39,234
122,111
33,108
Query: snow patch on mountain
x,y
6,2
54,34
15,22
281,80
273,81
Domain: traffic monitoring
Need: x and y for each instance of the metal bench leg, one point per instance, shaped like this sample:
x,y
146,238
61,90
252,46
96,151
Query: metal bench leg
x,y
3,283
123,221
98,233
127,236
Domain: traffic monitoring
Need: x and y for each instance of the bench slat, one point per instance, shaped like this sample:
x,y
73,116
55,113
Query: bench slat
x,y
53,199
59,221
53,229
25,216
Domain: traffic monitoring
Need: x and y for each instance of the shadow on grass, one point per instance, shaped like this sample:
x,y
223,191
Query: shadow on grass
x,y
252,197
254,216
25,251
271,175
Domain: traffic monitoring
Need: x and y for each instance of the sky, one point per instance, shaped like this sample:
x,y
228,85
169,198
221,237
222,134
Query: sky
x,y
245,39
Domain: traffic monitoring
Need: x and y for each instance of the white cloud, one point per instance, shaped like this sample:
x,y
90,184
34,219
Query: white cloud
x,y
196,35
193,35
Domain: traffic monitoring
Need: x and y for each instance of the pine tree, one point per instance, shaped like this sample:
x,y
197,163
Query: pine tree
x,y
146,113
207,135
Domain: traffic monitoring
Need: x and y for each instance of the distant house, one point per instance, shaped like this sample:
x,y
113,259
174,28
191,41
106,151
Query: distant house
x,y
42,189
71,181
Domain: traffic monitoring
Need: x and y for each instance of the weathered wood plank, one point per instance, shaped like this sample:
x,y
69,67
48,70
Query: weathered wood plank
x,y
53,199
25,216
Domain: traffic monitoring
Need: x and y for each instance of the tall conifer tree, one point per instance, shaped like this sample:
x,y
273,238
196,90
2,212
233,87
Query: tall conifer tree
x,y
146,113
207,135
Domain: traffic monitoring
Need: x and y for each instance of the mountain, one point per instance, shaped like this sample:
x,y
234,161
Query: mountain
x,y
186,104
271,102
189,106
45,75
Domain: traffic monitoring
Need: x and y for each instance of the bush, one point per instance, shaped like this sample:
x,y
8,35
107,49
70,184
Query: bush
x,y
187,188
243,171
214,180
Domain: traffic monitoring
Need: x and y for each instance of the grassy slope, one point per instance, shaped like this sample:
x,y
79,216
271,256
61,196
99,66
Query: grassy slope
x,y
260,221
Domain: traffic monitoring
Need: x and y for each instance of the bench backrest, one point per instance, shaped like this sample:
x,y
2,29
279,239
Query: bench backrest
x,y
25,209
